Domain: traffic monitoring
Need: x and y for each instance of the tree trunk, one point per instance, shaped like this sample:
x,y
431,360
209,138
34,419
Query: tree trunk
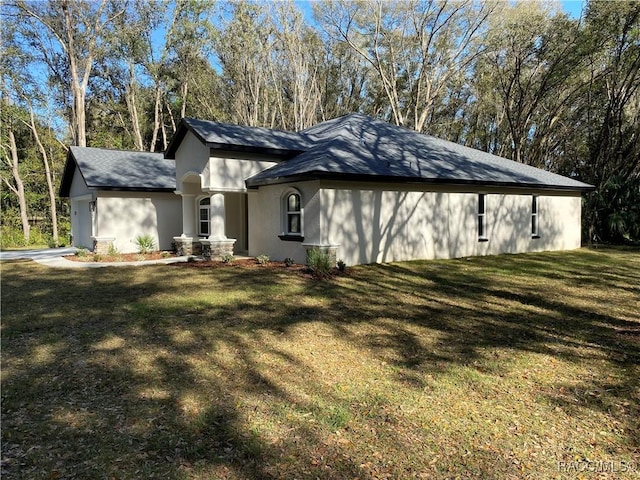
x,y
77,87
156,118
47,173
19,186
133,108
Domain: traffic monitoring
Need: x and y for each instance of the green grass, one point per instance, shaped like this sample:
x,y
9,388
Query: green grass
x,y
495,367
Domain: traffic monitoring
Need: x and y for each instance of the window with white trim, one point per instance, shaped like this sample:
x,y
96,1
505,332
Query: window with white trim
x,y
204,217
482,218
292,216
534,217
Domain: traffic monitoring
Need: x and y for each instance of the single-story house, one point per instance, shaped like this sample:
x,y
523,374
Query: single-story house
x,y
362,189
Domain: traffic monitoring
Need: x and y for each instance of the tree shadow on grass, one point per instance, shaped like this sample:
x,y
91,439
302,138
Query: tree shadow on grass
x,y
100,378
474,307
180,373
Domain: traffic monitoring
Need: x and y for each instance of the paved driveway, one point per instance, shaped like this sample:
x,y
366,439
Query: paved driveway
x,y
54,257
39,254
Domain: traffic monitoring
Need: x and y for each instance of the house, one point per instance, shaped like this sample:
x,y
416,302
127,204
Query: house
x,y
116,196
363,190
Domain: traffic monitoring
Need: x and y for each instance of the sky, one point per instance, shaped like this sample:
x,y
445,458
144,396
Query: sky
x,y
572,7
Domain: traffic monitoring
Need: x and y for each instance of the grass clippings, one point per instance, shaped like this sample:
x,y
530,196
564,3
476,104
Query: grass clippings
x,y
515,366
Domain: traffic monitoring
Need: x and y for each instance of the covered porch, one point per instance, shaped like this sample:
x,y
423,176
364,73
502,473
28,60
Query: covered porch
x,y
214,223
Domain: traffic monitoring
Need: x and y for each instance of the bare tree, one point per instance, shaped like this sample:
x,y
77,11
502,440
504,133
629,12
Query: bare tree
x,y
296,60
47,172
68,35
415,47
16,185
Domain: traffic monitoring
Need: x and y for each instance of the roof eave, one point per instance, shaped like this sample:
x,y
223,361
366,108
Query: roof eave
x,y
133,189
276,152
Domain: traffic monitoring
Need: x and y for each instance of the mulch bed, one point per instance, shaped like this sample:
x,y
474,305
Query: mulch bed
x,y
120,257
243,263
252,264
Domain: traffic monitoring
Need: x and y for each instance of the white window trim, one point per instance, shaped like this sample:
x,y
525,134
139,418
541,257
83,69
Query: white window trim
x,y
535,217
482,217
284,207
199,221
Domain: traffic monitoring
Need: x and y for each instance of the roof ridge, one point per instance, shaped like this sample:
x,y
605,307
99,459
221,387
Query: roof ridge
x,y
229,124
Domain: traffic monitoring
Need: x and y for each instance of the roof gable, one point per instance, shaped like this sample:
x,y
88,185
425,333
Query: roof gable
x,y
226,136
106,169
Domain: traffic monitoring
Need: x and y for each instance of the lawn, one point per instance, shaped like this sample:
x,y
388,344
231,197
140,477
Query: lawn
x,y
516,366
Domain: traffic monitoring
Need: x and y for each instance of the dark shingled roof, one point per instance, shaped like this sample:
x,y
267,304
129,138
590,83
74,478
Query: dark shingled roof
x,y
354,147
357,147
106,169
238,137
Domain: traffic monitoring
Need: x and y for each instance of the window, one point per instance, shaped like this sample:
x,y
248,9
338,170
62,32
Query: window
x,y
534,217
292,212
294,215
204,217
482,221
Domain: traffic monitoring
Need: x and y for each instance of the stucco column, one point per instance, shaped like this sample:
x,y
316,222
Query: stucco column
x,y
217,217
188,216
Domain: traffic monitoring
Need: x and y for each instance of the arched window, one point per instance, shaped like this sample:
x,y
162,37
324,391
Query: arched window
x,y
204,225
293,221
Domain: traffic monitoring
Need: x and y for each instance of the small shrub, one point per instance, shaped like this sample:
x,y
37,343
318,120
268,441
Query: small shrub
x,y
165,254
342,267
262,259
288,262
97,257
113,250
82,252
145,243
227,258
319,263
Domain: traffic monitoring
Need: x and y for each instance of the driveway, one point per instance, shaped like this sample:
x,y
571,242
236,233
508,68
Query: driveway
x,y
39,254
54,257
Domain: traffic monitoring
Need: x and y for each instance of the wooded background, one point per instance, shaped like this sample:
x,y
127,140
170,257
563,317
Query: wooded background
x,y
523,81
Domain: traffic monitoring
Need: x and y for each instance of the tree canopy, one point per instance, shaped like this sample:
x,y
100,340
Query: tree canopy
x,y
522,80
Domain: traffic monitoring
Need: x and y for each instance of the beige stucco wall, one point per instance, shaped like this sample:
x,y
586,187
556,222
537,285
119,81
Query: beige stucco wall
x,y
382,224
266,221
227,171
191,156
81,222
126,215
79,198
218,170
235,205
